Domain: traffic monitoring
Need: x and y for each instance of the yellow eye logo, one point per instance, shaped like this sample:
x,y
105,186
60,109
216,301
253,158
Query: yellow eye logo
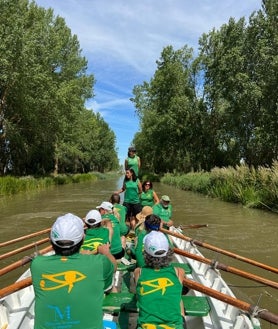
x,y
149,287
60,280
92,244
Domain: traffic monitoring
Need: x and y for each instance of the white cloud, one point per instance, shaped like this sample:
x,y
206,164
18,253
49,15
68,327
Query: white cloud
x,y
122,39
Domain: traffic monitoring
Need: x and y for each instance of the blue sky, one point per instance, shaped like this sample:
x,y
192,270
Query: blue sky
x,y
122,39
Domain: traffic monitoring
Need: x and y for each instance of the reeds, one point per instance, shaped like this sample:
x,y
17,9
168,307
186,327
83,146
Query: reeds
x,y
254,188
10,185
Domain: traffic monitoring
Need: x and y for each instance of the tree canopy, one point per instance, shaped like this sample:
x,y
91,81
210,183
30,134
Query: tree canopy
x,y
217,108
44,125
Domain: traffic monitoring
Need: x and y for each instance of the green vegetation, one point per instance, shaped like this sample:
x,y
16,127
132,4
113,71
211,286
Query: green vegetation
x,y
215,107
254,188
10,185
44,125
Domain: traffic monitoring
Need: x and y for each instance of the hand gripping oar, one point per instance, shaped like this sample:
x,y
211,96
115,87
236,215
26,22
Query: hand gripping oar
x,y
221,251
28,246
251,309
23,261
4,244
226,268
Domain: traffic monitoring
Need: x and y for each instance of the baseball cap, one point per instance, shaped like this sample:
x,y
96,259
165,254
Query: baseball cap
x,y
156,244
67,231
106,206
165,198
93,217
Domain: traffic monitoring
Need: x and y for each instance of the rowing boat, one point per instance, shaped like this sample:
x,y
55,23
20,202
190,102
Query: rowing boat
x,y
120,309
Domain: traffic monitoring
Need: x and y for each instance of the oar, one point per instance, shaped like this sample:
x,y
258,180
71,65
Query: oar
x,y
251,309
4,244
226,268
15,287
23,261
222,251
28,246
189,226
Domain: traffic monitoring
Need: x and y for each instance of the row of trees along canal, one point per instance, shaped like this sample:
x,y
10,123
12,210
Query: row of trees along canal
x,y
197,111
44,125
218,107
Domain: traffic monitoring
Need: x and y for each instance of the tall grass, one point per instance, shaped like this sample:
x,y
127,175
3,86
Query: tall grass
x,y
10,185
254,188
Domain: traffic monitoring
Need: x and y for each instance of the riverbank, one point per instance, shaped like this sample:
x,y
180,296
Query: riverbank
x,y
10,185
253,188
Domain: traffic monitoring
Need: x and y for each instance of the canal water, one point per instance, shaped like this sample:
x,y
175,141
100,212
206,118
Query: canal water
x,y
249,233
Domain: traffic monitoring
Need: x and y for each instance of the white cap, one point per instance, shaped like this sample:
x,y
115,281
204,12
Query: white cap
x,y
93,217
156,244
67,228
106,206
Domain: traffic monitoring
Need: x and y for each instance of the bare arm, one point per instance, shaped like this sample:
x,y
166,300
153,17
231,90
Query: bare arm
x,y
139,163
105,250
139,187
155,198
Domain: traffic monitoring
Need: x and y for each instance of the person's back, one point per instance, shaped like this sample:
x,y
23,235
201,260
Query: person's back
x,y
159,286
108,218
95,234
69,286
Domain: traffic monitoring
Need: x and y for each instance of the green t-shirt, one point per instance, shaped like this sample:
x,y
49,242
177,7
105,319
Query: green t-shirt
x,y
68,290
164,213
140,261
122,212
132,191
95,237
133,163
158,298
146,198
116,242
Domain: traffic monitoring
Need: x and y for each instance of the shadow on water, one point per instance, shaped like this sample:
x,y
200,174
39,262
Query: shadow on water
x,y
250,233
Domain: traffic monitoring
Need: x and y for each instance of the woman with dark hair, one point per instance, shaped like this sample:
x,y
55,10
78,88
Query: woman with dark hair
x,y
148,196
132,188
133,161
159,286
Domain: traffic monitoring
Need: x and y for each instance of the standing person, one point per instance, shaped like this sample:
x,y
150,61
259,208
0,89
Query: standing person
x,y
164,210
148,196
133,161
68,283
109,219
132,188
159,286
96,234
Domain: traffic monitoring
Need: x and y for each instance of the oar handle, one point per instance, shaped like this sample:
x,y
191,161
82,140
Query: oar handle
x,y
15,287
189,226
4,244
226,268
19,250
23,261
252,310
222,251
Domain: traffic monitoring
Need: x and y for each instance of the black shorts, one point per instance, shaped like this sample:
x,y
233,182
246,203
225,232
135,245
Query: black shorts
x,y
120,254
132,209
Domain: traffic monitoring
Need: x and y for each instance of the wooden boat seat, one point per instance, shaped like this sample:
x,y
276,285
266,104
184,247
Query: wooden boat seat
x,y
187,268
196,305
119,301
